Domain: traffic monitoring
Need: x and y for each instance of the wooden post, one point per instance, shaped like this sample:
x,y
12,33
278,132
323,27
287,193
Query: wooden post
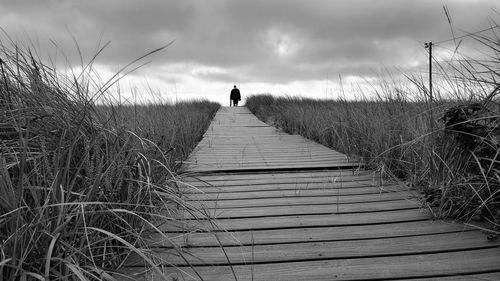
x,y
429,45
431,113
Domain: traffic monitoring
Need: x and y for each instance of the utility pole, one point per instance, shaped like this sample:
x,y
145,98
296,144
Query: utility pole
x,y
431,113
431,94
429,46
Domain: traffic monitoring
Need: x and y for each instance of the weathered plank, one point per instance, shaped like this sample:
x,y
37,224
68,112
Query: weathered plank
x,y
310,234
304,251
272,175
298,200
345,177
345,203
290,165
466,277
372,268
296,210
217,194
347,187
297,221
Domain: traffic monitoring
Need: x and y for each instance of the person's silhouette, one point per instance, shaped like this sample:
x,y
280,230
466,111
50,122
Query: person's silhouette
x,y
234,97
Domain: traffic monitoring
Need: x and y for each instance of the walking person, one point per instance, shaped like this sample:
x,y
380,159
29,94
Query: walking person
x,y
234,97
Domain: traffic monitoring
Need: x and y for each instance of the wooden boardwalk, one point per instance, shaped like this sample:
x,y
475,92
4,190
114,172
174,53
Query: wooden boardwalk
x,y
284,208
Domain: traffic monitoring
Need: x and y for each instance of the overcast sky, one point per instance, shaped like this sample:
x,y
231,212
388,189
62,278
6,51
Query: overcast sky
x,y
277,46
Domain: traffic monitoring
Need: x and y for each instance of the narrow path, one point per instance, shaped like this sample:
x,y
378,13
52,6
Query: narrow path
x,y
285,208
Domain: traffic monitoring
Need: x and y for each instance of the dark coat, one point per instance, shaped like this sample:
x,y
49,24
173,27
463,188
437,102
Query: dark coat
x,y
235,94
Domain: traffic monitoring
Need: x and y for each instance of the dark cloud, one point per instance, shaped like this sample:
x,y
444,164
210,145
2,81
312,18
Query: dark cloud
x,y
258,40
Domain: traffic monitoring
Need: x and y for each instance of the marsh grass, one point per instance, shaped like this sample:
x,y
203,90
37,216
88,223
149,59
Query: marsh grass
x,y
174,128
80,182
447,148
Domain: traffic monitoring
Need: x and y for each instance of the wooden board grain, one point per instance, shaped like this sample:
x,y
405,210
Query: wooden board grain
x,y
295,210
302,251
221,195
299,199
296,188
296,221
332,180
304,234
272,175
372,268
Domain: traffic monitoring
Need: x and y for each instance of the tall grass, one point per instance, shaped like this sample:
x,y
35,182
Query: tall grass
x,y
80,183
447,148
174,128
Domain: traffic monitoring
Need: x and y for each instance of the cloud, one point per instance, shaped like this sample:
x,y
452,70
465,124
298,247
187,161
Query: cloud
x,y
258,41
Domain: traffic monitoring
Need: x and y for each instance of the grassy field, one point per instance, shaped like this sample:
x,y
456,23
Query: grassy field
x,y
448,148
80,182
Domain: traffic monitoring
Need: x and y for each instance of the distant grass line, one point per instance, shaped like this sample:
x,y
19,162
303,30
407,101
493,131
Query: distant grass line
x,y
450,149
80,183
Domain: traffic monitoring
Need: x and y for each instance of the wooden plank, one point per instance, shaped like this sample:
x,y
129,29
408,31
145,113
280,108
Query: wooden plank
x,y
253,137
298,151
272,157
332,183
254,160
248,148
349,187
279,144
216,194
344,177
251,151
468,277
267,155
215,168
238,160
244,145
213,157
264,165
248,134
387,246
295,210
298,200
312,234
273,175
266,162
276,197
298,221
379,268
335,183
